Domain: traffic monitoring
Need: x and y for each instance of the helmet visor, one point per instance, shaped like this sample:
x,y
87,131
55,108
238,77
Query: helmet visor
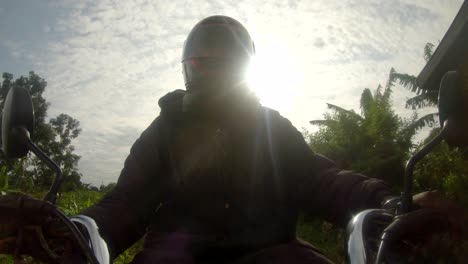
x,y
218,41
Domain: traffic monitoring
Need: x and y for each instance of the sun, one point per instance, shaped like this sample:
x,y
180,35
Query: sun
x,y
274,76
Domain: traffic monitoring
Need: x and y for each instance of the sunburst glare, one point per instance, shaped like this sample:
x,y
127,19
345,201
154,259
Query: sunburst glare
x,y
274,75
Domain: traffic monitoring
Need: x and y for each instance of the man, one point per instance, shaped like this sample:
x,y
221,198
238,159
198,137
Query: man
x,y
217,177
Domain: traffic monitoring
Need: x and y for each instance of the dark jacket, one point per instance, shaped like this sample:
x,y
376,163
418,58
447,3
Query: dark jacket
x,y
234,179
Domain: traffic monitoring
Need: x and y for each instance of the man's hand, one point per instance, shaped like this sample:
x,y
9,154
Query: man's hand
x,y
29,227
457,217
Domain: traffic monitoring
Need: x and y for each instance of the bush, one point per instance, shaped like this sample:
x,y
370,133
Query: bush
x,y
328,238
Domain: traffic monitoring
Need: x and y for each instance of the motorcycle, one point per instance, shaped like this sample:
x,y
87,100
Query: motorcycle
x,y
372,234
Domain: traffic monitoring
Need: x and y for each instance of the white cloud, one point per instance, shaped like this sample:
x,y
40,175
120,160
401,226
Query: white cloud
x,y
116,58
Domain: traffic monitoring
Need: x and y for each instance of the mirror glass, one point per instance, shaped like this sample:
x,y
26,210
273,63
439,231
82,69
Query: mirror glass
x,y
17,123
453,108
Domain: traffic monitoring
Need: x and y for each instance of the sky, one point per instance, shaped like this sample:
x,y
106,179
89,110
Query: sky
x,y
108,62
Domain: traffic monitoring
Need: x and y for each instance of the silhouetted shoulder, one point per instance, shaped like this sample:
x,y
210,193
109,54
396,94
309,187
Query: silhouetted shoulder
x,y
172,102
275,118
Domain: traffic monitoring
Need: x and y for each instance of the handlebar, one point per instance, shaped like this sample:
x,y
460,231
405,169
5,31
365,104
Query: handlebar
x,y
390,230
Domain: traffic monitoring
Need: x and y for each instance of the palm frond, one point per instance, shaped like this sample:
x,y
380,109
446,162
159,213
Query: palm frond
x,y
343,111
427,120
325,122
378,91
408,81
386,94
428,51
422,100
367,99
391,79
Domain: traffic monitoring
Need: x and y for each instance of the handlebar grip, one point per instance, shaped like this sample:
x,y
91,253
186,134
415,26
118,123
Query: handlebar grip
x,y
418,222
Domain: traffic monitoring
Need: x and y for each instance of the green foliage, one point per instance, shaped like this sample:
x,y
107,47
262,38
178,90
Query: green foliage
x,y
410,81
323,235
60,151
72,203
53,137
6,259
3,179
376,143
406,80
128,255
444,169
423,98
17,174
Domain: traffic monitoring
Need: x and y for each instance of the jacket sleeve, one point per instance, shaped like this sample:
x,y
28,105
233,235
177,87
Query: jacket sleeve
x,y
124,213
337,194
322,189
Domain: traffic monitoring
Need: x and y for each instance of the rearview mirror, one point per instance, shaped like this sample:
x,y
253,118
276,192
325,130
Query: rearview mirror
x,y
17,123
17,126
453,109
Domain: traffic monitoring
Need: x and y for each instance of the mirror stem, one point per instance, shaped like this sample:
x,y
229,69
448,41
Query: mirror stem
x,y
407,197
51,196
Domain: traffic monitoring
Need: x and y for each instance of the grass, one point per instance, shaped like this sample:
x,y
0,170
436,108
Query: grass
x,y
324,236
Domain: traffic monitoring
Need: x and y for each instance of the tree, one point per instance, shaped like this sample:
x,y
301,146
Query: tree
x,y
423,98
60,150
377,142
53,137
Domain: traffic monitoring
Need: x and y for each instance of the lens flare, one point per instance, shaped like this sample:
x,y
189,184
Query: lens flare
x,y
274,76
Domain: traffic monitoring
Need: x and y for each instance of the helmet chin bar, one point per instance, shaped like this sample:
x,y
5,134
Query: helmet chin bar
x,y
217,85
212,97
214,78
